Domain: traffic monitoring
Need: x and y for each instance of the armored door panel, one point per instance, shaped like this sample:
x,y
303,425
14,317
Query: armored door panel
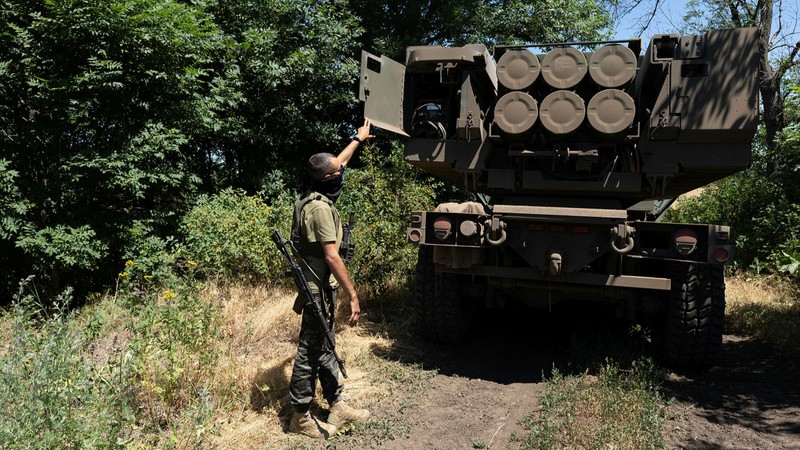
x,y
381,90
716,91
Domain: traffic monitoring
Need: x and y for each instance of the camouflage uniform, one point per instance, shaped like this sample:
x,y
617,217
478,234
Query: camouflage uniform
x,y
316,220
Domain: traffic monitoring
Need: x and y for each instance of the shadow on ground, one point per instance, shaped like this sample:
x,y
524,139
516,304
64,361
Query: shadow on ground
x,y
517,344
750,399
753,393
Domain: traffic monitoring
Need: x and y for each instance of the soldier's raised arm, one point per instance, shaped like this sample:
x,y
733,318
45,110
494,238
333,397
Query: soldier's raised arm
x,y
362,135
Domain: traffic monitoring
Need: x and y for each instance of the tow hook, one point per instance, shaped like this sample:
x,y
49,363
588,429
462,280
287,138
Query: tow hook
x,y
623,234
495,231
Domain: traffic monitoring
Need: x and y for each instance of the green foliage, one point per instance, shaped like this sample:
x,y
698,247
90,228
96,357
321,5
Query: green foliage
x,y
64,246
12,207
100,106
229,233
12,212
52,395
765,223
113,114
701,15
618,408
173,333
382,194
479,443
391,27
297,64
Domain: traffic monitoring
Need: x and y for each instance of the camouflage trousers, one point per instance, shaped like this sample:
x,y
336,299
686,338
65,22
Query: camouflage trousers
x,y
314,360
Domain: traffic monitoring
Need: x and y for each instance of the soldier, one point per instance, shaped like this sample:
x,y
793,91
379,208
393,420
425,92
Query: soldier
x,y
317,234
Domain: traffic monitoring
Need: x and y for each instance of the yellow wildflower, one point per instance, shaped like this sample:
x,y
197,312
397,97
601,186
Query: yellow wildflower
x,y
168,294
148,277
192,263
129,263
123,274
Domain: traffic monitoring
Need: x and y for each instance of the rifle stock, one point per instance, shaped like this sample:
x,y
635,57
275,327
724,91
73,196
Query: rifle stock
x,y
305,289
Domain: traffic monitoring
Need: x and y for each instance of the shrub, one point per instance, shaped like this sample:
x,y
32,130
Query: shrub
x,y
51,394
383,193
229,233
173,335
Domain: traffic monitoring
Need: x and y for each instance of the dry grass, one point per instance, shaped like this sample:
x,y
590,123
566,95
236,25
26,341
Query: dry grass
x,y
259,340
5,333
767,308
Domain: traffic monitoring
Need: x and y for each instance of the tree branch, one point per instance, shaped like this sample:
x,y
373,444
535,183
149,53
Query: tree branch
x,y
735,17
652,15
790,62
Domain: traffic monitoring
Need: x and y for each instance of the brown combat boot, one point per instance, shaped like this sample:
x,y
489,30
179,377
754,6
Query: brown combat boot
x,y
310,426
342,413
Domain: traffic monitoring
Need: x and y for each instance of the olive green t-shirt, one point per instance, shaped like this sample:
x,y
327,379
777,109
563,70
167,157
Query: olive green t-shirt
x,y
319,222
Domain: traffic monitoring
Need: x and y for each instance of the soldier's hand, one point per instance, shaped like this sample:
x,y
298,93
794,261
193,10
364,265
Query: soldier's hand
x,y
355,310
364,131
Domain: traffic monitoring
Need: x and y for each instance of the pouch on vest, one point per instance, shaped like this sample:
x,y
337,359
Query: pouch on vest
x,y
347,248
299,302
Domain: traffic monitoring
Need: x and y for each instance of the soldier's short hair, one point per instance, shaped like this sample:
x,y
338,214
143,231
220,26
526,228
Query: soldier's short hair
x,y
320,164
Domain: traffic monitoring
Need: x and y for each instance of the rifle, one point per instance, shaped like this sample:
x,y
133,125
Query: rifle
x,y
303,287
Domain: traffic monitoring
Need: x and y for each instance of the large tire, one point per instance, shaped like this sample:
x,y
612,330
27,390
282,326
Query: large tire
x,y
446,314
696,315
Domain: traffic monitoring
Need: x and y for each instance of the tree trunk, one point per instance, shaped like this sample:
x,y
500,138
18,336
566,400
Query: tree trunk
x,y
769,79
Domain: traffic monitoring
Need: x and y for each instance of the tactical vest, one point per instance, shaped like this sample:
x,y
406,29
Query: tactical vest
x,y
346,247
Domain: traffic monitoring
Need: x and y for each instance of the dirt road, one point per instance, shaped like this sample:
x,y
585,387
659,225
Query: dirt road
x,y
484,389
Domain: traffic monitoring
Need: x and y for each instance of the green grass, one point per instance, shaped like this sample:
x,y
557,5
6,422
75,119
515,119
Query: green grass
x,y
615,409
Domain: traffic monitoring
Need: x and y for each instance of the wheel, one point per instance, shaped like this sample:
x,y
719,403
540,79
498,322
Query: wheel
x,y
446,313
696,315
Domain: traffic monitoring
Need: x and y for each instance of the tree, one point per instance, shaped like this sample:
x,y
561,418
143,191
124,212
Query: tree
x,y
392,26
98,103
298,68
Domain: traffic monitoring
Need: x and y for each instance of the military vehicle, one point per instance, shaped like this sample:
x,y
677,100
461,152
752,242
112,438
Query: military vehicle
x,y
573,151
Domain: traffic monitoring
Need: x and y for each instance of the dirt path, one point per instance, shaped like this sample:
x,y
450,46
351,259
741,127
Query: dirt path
x,y
750,400
484,390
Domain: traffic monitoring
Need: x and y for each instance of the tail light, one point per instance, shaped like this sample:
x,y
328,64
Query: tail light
x,y
721,255
685,241
442,228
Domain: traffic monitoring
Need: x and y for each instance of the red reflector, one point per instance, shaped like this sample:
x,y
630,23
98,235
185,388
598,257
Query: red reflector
x,y
441,228
557,228
685,236
535,227
580,229
685,241
414,236
721,255
442,223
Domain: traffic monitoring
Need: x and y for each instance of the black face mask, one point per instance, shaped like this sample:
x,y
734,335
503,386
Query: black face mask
x,y
332,187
